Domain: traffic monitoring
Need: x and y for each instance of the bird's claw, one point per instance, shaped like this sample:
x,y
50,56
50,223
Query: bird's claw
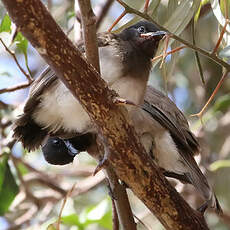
x,y
102,163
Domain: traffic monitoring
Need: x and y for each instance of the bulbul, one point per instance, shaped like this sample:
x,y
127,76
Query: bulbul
x,y
125,63
165,134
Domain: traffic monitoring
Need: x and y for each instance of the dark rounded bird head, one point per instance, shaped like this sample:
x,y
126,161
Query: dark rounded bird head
x,y
145,36
58,152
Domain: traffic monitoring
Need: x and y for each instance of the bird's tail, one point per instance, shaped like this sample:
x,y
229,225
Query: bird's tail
x,y
200,182
28,132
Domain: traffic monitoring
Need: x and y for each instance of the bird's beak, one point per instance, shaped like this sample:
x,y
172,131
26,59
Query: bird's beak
x,y
159,34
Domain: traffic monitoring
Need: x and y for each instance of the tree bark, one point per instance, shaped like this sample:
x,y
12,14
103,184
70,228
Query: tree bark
x,y
129,160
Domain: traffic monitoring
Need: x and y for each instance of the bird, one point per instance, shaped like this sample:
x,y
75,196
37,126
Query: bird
x,y
125,64
164,132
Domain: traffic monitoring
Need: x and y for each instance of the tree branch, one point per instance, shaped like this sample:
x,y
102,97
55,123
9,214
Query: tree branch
x,y
120,197
90,39
88,21
129,160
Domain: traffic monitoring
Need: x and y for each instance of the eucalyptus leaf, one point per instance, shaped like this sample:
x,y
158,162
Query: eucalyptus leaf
x,y
5,24
222,103
21,43
72,220
172,5
182,16
221,19
3,163
219,164
9,190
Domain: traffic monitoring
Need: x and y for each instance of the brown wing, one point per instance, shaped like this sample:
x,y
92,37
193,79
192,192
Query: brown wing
x,y
43,82
163,110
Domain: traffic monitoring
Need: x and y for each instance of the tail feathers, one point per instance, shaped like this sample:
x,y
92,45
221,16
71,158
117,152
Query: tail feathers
x,y
28,132
201,184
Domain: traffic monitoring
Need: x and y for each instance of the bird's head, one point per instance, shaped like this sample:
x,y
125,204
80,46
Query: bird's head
x,y
145,36
58,152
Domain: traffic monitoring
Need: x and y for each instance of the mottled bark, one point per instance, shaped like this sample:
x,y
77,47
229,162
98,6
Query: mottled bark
x,y
129,161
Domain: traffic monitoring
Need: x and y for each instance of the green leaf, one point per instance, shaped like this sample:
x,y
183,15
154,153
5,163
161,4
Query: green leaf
x,y
219,164
22,43
72,220
172,5
22,168
222,103
3,163
182,16
5,24
101,214
9,188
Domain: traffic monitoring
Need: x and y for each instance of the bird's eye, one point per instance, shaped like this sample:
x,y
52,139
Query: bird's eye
x,y
141,29
56,142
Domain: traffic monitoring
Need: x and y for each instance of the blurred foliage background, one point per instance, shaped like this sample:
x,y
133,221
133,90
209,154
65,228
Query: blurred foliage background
x,y
32,191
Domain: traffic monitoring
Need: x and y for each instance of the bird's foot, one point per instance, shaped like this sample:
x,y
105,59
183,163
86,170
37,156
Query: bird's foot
x,y
122,101
203,208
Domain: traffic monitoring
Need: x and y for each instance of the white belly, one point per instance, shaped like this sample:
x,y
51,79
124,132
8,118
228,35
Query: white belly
x,y
60,109
166,153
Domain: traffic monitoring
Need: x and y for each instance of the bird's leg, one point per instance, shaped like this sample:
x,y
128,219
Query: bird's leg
x,y
122,101
103,161
110,192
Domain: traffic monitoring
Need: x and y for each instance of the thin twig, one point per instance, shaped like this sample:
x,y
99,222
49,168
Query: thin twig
x,y
221,37
63,205
15,88
168,53
117,20
48,183
88,183
146,6
24,184
197,56
121,200
29,78
167,37
212,96
88,21
104,12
